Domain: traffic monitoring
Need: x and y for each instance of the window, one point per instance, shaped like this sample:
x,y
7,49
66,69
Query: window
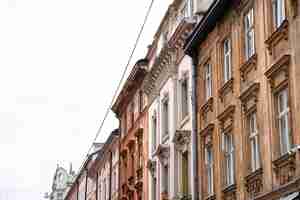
x,y
228,158
278,7
254,144
165,117
249,34
184,98
283,121
140,152
185,173
208,81
209,169
154,131
227,60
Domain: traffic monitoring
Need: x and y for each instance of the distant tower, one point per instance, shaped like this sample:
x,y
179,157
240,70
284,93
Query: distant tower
x,y
62,180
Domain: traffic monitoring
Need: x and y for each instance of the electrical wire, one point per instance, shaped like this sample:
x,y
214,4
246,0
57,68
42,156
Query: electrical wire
x,y
121,80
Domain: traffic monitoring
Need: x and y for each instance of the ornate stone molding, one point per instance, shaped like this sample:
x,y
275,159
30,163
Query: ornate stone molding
x,y
281,33
226,118
282,64
163,153
250,93
207,130
229,193
181,140
250,64
254,183
226,88
285,168
207,106
151,165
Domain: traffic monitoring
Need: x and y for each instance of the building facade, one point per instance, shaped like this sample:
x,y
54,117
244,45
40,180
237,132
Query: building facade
x,y
131,110
246,55
168,87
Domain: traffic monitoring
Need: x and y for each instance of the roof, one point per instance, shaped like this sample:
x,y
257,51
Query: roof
x,y
135,77
215,12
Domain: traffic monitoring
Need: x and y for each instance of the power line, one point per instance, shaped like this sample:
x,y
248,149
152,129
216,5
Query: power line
x,y
122,77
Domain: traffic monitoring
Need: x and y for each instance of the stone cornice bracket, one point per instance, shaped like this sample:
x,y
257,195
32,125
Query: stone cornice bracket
x,y
227,115
281,33
163,153
181,140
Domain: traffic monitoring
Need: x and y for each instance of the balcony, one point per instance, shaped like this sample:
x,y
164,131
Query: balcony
x,y
254,183
285,168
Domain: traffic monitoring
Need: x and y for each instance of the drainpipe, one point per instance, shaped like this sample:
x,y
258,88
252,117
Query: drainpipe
x,y
194,143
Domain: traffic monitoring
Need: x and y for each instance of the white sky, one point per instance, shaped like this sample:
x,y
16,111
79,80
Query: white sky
x,y
60,61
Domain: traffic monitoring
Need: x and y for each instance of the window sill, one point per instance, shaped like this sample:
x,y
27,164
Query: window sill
x,y
229,192
210,197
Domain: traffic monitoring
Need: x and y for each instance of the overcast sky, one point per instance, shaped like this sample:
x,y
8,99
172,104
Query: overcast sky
x,y
60,62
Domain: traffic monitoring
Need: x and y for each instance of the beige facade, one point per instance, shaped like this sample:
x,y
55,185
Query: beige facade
x,y
247,97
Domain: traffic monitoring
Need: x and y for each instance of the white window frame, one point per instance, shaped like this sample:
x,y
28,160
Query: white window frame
x,y
154,131
227,59
165,118
184,91
208,80
249,34
228,147
254,142
283,116
209,169
279,15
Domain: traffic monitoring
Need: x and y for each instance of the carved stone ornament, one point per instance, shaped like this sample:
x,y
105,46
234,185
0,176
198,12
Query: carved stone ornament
x,y
285,168
254,183
181,140
163,153
225,89
282,64
139,133
249,93
229,193
151,165
250,64
279,34
227,114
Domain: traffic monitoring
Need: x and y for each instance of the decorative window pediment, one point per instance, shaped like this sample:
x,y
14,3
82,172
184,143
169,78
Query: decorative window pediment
x,y
181,140
250,64
278,72
281,33
249,97
207,130
226,118
226,88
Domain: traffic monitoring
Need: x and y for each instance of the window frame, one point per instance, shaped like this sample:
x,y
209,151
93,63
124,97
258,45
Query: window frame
x,y
184,94
249,33
208,80
209,169
165,118
227,60
278,6
229,159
